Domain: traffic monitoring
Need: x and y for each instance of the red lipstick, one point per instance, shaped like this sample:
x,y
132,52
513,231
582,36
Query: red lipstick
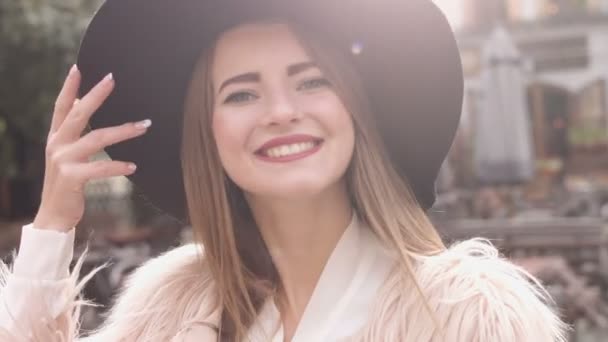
x,y
288,140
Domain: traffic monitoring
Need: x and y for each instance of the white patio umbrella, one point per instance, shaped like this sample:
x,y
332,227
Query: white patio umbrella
x,y
503,141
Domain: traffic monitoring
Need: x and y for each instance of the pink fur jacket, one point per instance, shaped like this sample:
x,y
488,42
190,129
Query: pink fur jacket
x,y
475,296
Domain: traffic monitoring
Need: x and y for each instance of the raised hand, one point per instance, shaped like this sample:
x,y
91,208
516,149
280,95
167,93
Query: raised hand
x,y
67,166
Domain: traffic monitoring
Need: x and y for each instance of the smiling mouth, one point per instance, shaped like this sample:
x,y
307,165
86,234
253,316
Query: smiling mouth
x,y
291,151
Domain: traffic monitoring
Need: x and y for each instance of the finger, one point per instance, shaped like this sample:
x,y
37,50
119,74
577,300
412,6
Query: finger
x,y
78,117
84,172
66,98
99,139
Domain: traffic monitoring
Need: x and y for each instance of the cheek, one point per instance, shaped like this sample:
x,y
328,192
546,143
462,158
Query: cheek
x,y
347,140
338,124
342,126
336,119
231,134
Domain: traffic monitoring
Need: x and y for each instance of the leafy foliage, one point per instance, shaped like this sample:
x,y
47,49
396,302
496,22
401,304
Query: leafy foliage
x,y
38,43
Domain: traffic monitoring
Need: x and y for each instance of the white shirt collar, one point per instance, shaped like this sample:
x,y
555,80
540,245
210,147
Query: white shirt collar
x,y
342,299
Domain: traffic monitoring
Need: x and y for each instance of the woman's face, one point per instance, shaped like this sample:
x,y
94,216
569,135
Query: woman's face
x,y
280,128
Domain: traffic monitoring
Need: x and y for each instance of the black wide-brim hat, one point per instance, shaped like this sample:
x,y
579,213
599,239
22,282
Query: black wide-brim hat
x,y
404,50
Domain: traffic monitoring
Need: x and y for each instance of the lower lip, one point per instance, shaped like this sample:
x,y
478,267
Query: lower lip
x,y
291,157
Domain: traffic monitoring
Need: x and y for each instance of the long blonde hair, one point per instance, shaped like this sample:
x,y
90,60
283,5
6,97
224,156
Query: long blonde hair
x,y
235,252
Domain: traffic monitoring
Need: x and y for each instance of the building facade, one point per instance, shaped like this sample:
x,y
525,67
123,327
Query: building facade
x,y
564,48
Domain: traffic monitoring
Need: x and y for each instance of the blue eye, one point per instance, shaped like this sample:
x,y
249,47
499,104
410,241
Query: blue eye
x,y
314,83
240,97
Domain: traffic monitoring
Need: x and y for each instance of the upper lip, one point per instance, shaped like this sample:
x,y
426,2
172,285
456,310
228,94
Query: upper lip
x,y
288,139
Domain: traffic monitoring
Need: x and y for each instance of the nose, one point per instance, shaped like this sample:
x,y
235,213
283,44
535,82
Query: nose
x,y
281,109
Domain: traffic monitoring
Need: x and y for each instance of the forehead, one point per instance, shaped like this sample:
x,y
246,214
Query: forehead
x,y
256,47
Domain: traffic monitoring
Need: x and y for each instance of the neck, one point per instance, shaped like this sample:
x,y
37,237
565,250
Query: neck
x,y
301,235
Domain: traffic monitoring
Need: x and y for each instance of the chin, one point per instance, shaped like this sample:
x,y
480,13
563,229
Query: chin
x,y
298,192
296,189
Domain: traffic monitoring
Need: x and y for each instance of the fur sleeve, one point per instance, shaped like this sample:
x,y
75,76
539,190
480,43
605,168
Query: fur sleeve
x,y
169,298
480,296
474,295
53,307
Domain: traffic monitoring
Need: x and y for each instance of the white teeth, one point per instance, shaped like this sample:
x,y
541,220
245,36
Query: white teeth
x,y
286,150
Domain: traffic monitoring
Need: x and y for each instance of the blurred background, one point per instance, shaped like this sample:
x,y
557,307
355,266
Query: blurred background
x,y
528,168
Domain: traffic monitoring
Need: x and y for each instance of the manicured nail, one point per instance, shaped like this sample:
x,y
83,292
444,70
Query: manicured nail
x,y
108,77
132,166
143,124
73,69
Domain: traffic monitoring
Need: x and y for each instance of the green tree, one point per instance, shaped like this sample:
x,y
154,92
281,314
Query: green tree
x,y
38,43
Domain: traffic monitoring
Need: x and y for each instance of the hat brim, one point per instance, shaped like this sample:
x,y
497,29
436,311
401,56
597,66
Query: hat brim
x,y
409,64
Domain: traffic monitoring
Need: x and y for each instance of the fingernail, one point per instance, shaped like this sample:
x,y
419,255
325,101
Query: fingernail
x,y
108,77
132,166
73,69
143,124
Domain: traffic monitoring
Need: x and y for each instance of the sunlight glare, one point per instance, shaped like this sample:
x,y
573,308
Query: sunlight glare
x,y
452,10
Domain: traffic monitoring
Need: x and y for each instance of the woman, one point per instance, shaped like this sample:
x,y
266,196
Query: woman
x,y
310,134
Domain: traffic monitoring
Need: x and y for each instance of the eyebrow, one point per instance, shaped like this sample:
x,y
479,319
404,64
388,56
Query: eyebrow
x,y
255,76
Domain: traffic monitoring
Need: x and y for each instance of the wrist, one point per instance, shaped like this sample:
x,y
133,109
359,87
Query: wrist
x,y
42,223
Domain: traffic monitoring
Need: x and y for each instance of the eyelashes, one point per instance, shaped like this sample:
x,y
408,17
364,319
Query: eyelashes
x,y
306,85
241,96
313,83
